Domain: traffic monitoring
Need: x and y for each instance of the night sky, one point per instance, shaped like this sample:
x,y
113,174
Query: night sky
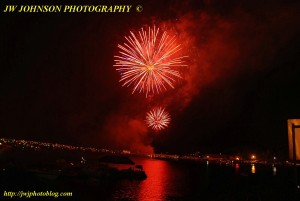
x,y
58,83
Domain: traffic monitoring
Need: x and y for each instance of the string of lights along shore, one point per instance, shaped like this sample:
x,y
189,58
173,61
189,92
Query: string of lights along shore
x,y
149,61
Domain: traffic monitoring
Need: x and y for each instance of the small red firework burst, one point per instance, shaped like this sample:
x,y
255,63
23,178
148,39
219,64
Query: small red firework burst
x,y
158,119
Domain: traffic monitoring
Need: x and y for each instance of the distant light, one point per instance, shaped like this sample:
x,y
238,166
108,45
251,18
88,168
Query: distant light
x,y
0,143
207,156
253,157
237,158
274,158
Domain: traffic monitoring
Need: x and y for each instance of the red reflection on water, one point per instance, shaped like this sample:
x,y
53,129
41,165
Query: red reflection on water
x,y
154,187
237,167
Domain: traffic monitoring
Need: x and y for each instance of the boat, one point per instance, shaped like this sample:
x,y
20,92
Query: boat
x,y
122,167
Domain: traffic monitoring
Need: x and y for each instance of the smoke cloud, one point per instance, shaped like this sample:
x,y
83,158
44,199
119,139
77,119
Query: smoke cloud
x,y
225,44
124,132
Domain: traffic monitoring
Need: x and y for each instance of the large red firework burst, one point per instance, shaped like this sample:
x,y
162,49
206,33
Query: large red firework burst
x,y
158,119
149,60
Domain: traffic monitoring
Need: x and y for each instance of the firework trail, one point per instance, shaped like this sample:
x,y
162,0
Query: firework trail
x,y
158,119
148,60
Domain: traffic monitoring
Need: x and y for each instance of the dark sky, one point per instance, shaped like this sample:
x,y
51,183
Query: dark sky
x,y
58,83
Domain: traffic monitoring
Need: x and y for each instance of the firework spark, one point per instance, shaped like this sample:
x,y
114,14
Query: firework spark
x,y
149,60
158,119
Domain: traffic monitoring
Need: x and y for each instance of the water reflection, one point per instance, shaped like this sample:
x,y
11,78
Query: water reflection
x,y
154,188
253,170
165,181
183,180
237,167
274,170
